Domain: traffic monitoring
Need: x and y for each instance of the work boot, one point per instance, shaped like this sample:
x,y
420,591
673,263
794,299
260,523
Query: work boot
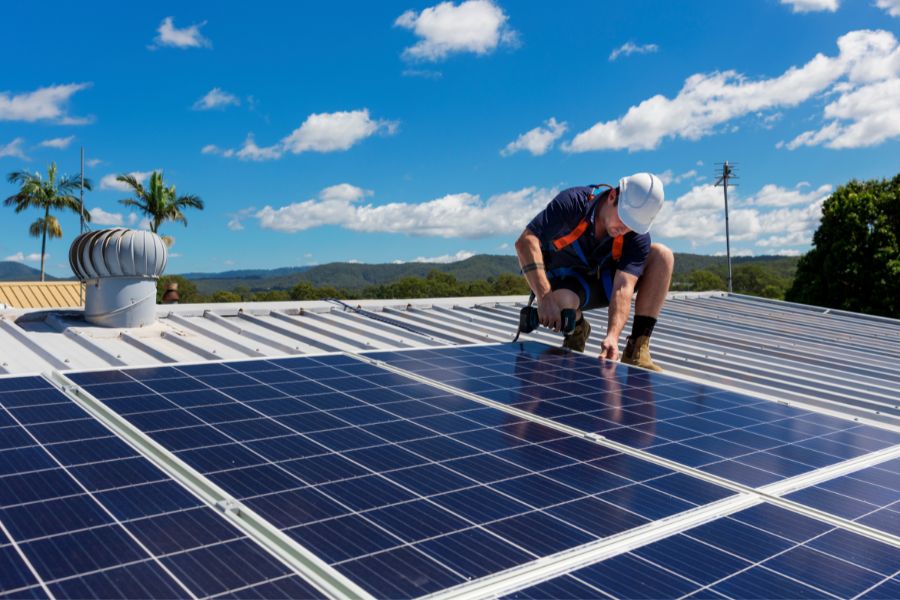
x,y
637,353
579,336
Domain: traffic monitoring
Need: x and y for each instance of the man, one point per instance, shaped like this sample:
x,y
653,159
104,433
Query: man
x,y
590,248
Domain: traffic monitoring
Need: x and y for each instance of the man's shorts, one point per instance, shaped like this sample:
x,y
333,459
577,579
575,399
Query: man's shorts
x,y
592,290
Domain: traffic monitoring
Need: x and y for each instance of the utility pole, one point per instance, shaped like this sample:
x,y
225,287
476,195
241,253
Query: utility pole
x,y
726,172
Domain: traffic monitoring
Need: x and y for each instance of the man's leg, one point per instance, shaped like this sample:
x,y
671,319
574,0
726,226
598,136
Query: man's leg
x,y
654,283
652,289
566,298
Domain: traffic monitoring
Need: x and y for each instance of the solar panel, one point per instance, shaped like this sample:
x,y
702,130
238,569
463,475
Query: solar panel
x,y
761,552
734,436
869,496
94,519
402,487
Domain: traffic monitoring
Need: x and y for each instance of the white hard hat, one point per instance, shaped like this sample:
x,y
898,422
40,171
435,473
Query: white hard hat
x,y
640,198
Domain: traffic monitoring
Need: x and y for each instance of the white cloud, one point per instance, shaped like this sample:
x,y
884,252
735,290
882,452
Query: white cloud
x,y
891,7
22,257
443,259
538,140
321,132
773,217
707,102
43,104
668,176
132,218
477,26
216,98
109,182
805,6
59,143
423,73
235,220
101,217
454,215
188,37
735,252
629,48
14,149
250,151
446,258
93,162
775,196
867,116
329,132
144,224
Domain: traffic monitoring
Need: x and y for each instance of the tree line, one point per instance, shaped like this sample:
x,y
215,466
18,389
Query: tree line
x,y
747,279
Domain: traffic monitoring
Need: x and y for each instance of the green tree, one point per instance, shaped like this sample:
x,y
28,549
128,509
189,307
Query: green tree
x,y
46,194
507,284
271,296
242,292
187,289
702,280
158,202
854,263
303,291
224,296
754,280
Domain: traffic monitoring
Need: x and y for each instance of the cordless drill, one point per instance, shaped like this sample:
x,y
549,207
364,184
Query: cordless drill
x,y
528,320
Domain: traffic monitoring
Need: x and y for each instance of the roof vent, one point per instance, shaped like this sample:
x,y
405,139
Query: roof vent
x,y
120,268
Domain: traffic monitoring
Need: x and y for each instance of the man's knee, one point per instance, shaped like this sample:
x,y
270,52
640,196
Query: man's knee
x,y
662,256
566,298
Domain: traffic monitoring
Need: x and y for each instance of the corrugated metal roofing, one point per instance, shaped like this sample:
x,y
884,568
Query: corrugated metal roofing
x,y
841,361
41,294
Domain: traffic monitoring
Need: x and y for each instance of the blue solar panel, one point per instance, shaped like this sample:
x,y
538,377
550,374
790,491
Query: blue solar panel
x,y
401,486
761,552
740,438
869,496
96,520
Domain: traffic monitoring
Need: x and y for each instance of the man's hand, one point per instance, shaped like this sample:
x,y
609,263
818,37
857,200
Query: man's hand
x,y
549,312
609,349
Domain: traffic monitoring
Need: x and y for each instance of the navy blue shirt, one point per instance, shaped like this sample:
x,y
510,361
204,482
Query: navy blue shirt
x,y
563,214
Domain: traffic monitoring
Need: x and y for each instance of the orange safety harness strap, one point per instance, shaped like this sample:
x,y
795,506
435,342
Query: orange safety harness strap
x,y
569,238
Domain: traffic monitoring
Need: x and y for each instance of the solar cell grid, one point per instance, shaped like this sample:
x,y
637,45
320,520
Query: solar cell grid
x,y
764,551
869,496
740,438
406,476
95,519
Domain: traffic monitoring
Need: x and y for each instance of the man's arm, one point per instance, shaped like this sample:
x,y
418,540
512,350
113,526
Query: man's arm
x,y
528,249
619,307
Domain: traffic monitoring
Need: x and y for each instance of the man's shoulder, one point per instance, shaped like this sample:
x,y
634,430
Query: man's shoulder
x,y
639,240
573,197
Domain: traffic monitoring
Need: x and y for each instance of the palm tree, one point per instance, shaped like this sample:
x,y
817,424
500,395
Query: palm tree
x,y
47,194
159,203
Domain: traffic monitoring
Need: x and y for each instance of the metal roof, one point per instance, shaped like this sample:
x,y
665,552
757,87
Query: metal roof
x,y
40,294
836,360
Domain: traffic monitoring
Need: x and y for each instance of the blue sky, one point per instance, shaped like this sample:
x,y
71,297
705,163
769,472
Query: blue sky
x,y
397,131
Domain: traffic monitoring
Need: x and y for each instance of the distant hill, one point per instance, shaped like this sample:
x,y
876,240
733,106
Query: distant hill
x,y
356,276
782,266
246,273
16,271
